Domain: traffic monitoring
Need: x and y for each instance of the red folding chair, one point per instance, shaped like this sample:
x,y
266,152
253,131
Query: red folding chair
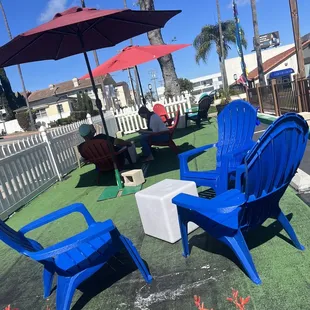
x,y
98,153
170,143
160,110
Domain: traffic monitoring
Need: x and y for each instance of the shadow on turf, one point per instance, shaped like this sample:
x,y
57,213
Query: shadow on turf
x,y
117,268
254,239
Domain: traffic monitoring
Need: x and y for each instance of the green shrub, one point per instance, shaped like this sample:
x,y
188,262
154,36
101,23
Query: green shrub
x,y
24,119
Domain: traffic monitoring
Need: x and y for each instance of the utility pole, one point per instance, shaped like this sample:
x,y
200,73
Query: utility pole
x,y
257,45
297,38
32,125
222,59
97,64
154,78
138,95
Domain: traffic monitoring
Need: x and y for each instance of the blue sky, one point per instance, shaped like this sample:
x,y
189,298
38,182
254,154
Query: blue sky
x,y
273,15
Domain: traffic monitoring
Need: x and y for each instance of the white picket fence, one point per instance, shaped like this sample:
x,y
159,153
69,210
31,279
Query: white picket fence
x,y
31,165
129,121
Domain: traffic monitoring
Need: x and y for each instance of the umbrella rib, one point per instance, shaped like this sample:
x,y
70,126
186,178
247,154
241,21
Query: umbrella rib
x,y
59,46
19,51
95,28
103,35
136,23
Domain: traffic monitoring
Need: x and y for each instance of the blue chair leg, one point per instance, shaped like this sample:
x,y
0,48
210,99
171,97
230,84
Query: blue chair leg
x,y
136,258
47,282
184,234
65,292
289,230
240,248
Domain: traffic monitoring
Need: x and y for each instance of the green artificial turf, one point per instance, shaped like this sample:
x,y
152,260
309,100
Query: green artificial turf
x,y
211,270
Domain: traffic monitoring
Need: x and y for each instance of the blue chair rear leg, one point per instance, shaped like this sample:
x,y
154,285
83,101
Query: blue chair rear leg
x,y
290,231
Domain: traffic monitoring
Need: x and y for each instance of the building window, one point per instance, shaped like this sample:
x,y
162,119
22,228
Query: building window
x,y
196,92
197,84
208,89
41,113
60,108
207,82
220,79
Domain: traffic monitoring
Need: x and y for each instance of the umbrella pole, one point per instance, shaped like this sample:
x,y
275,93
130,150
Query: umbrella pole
x,y
139,80
99,106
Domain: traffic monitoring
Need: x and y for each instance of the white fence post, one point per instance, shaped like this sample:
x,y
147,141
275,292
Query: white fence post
x,y
89,119
45,139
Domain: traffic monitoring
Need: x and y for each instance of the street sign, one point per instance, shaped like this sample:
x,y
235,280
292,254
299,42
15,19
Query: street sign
x,y
271,39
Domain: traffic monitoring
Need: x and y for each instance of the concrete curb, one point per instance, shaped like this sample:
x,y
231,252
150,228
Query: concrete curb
x,y
269,119
301,182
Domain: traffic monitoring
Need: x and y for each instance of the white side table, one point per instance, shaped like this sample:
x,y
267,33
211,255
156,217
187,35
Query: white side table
x,y
158,214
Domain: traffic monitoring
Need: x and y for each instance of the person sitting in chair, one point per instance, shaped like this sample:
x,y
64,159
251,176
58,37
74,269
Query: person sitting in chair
x,y
154,125
88,132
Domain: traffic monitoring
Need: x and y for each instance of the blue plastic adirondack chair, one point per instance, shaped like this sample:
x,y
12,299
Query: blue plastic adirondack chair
x,y
236,125
260,183
74,259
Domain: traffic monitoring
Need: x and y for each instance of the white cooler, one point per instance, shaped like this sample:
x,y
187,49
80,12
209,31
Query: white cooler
x,y
158,214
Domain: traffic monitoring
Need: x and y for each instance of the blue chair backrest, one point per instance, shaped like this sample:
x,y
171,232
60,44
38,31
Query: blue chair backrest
x,y
15,239
270,166
236,126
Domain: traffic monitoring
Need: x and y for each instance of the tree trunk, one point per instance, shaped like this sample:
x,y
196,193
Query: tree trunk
x,y
172,87
221,54
257,45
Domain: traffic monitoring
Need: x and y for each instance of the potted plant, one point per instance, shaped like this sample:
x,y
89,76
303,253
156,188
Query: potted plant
x,y
225,99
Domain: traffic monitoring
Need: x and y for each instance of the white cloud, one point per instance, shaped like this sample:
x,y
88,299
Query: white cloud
x,y
53,7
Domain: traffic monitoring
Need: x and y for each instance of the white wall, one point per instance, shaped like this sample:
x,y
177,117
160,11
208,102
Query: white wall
x,y
11,126
233,65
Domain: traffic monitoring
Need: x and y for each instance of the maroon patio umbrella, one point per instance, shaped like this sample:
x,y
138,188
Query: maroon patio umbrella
x,y
132,56
79,30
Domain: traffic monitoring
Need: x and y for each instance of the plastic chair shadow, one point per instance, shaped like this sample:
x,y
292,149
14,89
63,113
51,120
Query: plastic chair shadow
x,y
236,125
75,259
260,183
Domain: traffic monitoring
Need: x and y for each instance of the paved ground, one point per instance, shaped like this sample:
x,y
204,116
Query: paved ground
x,y
210,272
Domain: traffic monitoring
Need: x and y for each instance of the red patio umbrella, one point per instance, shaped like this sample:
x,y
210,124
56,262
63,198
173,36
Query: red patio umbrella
x,y
132,56
79,30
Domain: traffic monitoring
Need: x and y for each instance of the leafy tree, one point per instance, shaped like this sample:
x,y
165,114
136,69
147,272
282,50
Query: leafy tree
x,y
210,36
87,103
185,85
149,96
24,119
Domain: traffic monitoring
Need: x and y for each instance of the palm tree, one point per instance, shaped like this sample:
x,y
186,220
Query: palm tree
x,y
257,45
172,87
32,125
210,35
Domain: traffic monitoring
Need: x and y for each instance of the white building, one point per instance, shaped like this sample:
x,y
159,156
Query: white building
x,y
203,84
233,65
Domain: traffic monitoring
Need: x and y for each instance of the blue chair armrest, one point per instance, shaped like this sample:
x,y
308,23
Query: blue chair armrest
x,y
216,209
76,207
91,233
186,155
